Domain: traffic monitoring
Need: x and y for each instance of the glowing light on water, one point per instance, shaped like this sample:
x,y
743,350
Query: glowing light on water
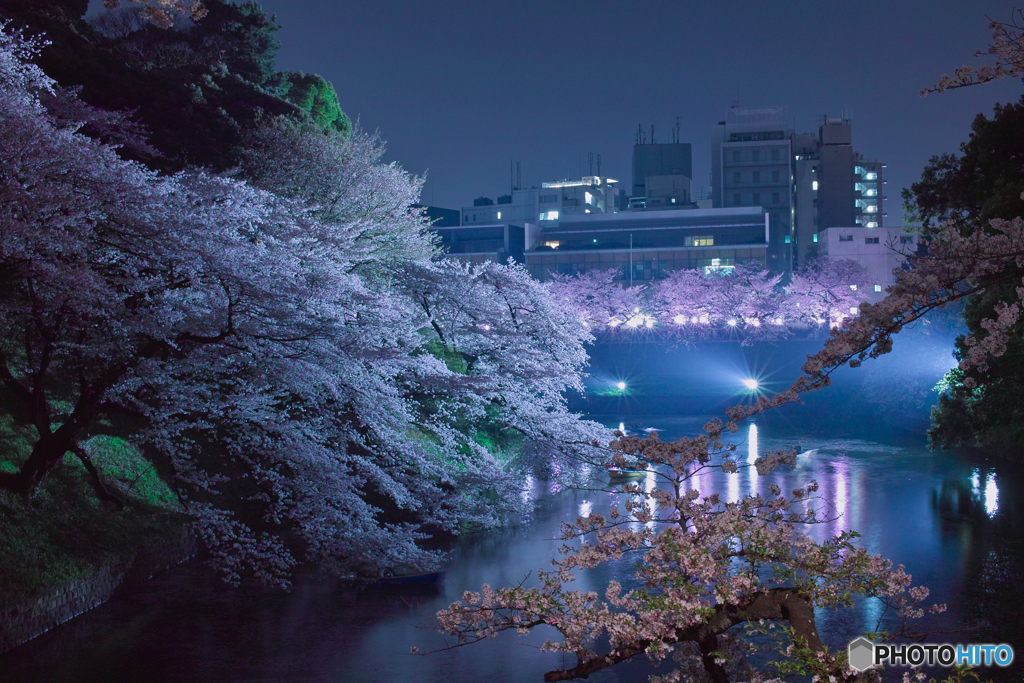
x,y
991,495
585,507
976,481
622,427
621,386
841,501
752,448
734,486
751,384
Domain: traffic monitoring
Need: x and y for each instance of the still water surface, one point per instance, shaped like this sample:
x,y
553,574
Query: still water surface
x,y
955,522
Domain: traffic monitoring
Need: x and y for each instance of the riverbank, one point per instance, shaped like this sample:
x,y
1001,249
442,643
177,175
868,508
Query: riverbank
x,y
65,551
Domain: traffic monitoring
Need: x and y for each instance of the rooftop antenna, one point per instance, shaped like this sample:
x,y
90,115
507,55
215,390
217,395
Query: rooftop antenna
x,y
677,130
511,177
519,176
599,164
652,133
590,160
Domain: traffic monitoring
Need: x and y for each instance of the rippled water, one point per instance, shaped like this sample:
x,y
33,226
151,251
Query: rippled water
x,y
956,523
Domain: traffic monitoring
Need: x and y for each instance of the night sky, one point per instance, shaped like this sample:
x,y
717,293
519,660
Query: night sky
x,y
459,88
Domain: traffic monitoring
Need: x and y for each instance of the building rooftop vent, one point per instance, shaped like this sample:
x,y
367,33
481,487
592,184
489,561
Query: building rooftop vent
x,y
483,201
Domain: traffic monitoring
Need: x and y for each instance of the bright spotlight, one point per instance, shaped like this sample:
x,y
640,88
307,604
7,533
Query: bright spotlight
x,y
732,322
622,386
750,384
681,320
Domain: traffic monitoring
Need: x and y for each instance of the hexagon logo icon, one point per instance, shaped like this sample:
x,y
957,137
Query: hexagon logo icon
x,y
862,654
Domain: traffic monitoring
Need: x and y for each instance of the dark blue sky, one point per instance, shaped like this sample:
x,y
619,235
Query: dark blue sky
x,y
459,88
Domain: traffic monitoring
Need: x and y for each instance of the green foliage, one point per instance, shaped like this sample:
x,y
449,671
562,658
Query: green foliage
x,y
989,415
983,183
196,88
65,531
455,361
312,94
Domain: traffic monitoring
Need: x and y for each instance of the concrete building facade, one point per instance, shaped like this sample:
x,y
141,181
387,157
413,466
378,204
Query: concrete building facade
x,y
879,250
645,246
751,165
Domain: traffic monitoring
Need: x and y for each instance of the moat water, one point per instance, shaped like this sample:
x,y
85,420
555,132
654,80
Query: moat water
x,y
955,521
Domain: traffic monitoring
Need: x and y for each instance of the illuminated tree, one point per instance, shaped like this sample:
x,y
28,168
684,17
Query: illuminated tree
x,y
710,575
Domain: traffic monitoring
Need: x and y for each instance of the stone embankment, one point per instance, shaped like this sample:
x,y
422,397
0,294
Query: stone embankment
x,y
23,622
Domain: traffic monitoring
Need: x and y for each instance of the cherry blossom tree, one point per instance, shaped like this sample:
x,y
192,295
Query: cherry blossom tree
x,y
1007,49
746,301
164,12
710,575
826,291
271,339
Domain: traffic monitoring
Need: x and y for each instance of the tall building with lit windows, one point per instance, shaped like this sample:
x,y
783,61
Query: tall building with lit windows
x,y
806,182
834,185
751,165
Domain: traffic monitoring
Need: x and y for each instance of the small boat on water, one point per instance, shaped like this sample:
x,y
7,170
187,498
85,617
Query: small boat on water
x,y
418,580
617,474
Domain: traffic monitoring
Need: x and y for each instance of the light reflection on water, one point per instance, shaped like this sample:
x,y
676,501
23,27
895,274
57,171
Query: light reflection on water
x,y
934,513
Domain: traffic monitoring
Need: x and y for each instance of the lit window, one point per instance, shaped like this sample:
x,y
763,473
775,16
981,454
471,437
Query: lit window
x,y
787,239
871,208
814,185
853,287
853,310
700,241
815,238
870,240
588,198
872,224
553,245
549,216
878,288
871,176
499,215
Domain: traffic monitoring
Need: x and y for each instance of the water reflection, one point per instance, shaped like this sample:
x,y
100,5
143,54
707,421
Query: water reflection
x,y
957,526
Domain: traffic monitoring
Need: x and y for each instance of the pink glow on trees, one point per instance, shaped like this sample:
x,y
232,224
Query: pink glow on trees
x,y
705,567
692,304
268,337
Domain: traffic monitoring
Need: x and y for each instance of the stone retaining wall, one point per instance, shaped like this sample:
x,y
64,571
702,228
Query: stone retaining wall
x,y
34,617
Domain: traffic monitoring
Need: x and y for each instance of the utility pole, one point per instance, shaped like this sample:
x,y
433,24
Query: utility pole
x,y
631,260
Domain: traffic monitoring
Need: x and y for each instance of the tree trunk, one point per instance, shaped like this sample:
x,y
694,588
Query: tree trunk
x,y
46,455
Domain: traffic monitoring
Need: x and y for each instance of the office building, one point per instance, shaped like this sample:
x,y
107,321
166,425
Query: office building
x,y
646,245
751,165
835,186
548,204
662,174
807,182
879,250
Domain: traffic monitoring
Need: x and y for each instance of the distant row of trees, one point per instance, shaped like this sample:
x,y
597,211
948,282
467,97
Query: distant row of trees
x,y
747,301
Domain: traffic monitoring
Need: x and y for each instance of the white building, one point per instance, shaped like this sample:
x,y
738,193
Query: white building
x,y
879,250
547,204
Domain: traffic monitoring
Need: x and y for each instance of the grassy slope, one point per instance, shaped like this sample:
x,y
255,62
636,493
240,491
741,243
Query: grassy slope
x,y
65,531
